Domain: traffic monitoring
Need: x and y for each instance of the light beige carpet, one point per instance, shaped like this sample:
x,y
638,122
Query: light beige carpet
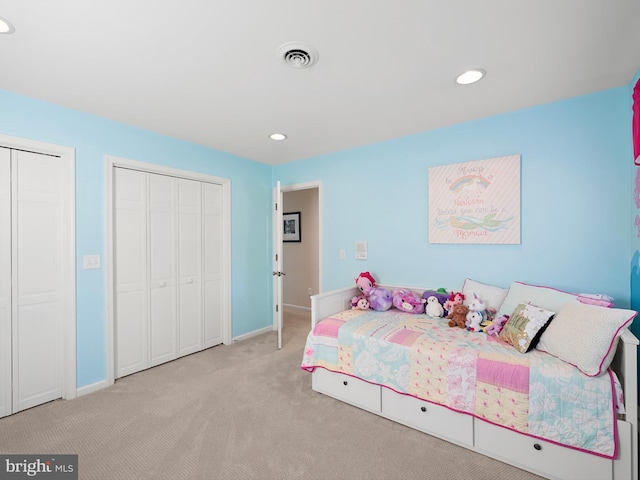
x,y
244,411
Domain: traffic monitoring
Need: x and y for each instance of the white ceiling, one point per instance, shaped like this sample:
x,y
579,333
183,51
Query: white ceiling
x,y
206,71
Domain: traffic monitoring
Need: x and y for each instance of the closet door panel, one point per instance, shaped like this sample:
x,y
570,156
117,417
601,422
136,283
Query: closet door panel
x,y
162,283
130,271
37,299
190,266
5,282
212,250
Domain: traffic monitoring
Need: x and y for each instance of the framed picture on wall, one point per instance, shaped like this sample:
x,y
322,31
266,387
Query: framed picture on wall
x,y
292,228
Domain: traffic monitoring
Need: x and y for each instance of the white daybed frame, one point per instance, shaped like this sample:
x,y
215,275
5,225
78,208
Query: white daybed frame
x,y
537,456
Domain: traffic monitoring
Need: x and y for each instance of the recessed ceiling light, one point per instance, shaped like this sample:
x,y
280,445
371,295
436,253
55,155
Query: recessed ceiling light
x,y
277,136
5,26
470,76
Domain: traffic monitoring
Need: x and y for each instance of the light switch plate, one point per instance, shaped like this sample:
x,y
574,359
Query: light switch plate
x,y
91,262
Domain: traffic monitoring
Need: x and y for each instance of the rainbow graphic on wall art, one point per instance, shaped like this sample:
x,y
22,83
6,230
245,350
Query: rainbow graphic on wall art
x,y
469,182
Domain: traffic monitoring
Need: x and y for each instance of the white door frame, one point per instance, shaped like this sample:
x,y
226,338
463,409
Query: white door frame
x,y
277,292
112,162
68,157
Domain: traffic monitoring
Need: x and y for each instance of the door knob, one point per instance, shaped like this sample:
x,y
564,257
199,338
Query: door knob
x,y
163,284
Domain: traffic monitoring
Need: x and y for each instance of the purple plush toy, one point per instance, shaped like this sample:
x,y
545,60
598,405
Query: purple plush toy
x,y
441,295
408,301
380,299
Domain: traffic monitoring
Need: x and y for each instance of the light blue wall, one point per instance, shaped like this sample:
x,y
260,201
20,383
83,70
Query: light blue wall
x,y
95,137
576,233
575,201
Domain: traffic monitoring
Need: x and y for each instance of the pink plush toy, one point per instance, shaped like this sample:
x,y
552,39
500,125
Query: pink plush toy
x,y
408,301
360,303
365,282
456,298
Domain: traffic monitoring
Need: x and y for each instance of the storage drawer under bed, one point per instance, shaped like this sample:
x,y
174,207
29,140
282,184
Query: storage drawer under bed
x,y
348,389
428,417
539,456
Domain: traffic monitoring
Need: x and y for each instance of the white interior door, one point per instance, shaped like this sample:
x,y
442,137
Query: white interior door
x,y
277,261
130,271
5,282
38,295
213,251
190,266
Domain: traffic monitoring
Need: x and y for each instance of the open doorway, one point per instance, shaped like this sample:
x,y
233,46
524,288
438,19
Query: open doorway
x,y
301,255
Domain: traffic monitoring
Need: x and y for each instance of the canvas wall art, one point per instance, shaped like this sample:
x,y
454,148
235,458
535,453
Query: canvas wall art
x,y
475,202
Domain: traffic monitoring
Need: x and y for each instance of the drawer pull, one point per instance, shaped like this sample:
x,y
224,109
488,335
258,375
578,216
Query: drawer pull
x,y
345,383
423,409
537,446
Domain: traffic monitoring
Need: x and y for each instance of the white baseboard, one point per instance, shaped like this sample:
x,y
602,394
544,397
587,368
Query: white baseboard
x,y
94,387
296,307
255,333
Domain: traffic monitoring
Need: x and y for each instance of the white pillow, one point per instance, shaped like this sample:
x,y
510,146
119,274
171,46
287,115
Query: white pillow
x,y
545,297
585,335
491,295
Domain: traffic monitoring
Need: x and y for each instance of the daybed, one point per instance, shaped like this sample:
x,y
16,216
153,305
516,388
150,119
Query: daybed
x,y
560,414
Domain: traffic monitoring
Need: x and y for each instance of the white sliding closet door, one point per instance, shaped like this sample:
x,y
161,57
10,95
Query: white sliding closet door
x,y
162,268
38,295
5,282
213,287
190,265
130,214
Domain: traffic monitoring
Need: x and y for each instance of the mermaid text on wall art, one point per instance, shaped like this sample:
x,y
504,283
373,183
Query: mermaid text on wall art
x,y
475,202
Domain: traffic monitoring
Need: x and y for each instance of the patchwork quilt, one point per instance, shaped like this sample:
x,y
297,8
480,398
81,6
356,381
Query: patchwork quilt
x,y
469,372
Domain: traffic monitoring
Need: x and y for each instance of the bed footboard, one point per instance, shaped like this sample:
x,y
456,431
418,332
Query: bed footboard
x,y
625,364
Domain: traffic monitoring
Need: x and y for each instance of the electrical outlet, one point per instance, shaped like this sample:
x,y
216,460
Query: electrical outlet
x,y
91,262
309,290
343,254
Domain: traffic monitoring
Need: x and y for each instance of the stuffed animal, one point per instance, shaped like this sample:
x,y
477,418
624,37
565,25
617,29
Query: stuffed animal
x,y
360,303
380,299
458,315
474,320
408,301
479,320
496,326
456,298
365,283
433,307
441,294
477,305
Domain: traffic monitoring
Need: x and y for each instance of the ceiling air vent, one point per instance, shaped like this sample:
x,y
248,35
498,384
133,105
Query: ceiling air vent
x,y
297,55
